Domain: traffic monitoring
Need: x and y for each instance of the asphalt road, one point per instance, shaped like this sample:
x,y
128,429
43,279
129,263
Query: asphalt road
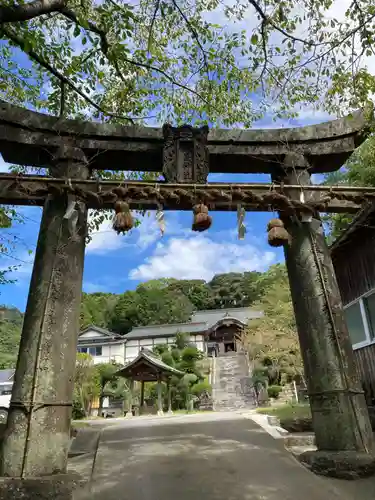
x,y
209,457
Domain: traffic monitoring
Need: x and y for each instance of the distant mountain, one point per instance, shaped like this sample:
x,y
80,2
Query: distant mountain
x,y
164,300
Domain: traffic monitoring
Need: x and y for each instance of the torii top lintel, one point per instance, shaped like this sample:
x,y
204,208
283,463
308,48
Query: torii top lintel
x,y
30,138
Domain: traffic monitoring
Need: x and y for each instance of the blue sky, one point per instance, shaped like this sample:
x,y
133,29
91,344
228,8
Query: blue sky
x,y
116,263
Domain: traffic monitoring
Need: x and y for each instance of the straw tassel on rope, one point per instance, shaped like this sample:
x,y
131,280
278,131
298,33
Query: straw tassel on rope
x,y
123,220
160,220
278,236
202,220
241,228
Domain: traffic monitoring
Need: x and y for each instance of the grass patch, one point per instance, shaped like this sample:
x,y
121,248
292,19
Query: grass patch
x,y
77,424
288,411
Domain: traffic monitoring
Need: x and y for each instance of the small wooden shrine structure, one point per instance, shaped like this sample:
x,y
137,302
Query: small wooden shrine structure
x,y
147,367
35,444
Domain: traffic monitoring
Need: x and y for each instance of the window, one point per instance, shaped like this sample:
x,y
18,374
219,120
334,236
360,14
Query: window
x,y
355,324
93,351
369,303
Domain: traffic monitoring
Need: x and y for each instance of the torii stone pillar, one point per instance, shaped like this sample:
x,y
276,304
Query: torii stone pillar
x,y
37,436
339,412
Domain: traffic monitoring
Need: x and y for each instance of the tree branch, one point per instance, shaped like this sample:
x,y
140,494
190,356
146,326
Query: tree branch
x,y
62,98
46,65
157,5
269,21
24,12
194,33
105,49
40,7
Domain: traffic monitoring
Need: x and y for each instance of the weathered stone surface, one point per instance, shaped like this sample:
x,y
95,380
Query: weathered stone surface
x,y
339,413
299,439
229,390
85,441
185,154
206,402
340,464
297,424
37,436
56,487
30,138
273,420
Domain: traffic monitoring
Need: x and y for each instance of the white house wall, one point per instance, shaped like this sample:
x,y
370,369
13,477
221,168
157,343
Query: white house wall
x,y
131,352
124,352
113,352
160,340
133,347
198,341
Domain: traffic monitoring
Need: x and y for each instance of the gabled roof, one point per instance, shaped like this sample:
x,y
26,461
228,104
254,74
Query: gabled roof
x,y
361,218
147,366
105,335
201,321
153,331
241,314
102,331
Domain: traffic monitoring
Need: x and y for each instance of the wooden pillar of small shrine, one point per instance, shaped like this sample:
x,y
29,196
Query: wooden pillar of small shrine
x,y
339,412
142,395
160,397
129,413
37,436
169,391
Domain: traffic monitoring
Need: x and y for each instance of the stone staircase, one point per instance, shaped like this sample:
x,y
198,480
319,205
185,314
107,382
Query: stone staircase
x,y
232,388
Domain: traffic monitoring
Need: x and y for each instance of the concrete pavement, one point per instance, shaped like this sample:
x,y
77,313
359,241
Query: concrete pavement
x,y
203,457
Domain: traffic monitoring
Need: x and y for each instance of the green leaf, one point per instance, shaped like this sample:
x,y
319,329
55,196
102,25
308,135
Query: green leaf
x,y
254,39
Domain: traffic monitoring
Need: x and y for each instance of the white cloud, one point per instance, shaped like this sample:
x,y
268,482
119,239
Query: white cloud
x,y
200,257
104,239
141,237
4,167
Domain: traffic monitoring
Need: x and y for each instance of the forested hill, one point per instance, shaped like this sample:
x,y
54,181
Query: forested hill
x,y
153,302
10,331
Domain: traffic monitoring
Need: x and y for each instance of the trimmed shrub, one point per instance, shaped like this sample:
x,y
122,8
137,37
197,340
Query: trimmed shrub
x,y
200,387
274,391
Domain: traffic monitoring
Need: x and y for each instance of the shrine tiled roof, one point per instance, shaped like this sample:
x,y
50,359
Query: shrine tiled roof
x,y
151,359
201,321
241,314
142,332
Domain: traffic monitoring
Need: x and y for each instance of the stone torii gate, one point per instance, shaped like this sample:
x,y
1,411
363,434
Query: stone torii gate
x,y
35,445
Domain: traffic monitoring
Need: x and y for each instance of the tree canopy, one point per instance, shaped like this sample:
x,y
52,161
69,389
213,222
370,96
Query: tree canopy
x,y
272,341
148,306
220,62
359,170
153,302
121,61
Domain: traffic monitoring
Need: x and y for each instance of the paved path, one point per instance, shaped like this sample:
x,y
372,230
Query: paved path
x,y
209,457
